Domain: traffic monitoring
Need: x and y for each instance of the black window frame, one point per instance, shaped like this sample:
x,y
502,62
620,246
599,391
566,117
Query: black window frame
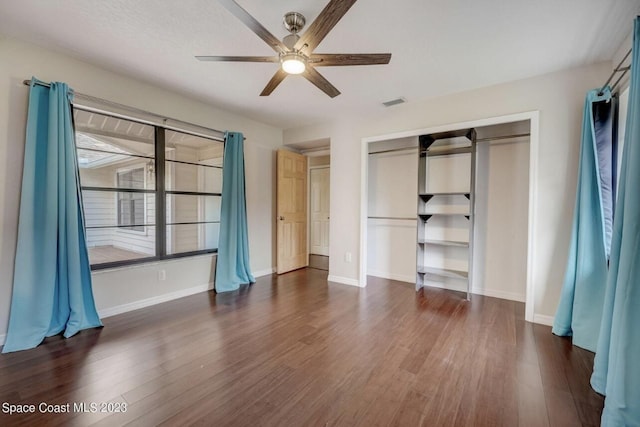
x,y
160,193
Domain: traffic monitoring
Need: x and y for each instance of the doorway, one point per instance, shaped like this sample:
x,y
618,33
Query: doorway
x,y
313,238
319,216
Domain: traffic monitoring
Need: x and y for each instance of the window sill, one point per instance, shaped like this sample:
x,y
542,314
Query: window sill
x,y
150,262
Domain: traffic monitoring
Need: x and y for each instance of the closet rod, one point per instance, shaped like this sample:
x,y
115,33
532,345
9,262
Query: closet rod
x,y
393,149
139,111
618,69
494,138
392,217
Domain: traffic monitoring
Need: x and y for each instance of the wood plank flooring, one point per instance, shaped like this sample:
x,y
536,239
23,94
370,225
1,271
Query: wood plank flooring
x,y
295,350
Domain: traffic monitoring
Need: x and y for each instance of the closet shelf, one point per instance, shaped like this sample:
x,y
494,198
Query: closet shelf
x,y
451,243
427,196
425,216
448,151
443,272
445,144
467,133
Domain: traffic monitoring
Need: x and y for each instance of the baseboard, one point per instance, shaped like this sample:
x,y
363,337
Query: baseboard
x,y
344,280
3,337
511,296
542,319
398,277
119,309
264,272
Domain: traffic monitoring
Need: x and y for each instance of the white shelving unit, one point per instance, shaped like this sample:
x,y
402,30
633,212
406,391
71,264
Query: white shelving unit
x,y
454,143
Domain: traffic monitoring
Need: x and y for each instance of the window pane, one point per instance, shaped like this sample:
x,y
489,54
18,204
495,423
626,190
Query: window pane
x,y
109,146
185,177
120,244
101,208
187,208
109,243
193,163
192,237
183,209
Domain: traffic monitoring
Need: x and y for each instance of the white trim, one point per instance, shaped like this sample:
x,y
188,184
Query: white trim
x,y
364,202
543,319
119,309
265,272
344,281
509,118
3,337
317,152
534,141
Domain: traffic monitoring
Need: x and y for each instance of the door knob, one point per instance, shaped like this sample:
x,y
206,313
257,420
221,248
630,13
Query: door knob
x,y
281,218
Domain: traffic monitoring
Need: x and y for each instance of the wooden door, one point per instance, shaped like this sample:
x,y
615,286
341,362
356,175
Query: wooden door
x,y
291,211
319,206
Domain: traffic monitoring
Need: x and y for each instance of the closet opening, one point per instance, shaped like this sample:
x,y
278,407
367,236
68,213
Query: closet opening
x,y
498,238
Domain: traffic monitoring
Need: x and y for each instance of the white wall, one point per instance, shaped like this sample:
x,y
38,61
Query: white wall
x,y
559,98
19,61
501,220
393,189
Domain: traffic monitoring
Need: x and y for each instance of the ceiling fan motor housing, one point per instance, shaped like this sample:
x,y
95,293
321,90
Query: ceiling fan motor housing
x,y
294,22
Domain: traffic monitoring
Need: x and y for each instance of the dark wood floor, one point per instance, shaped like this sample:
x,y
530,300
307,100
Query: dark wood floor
x,y
296,351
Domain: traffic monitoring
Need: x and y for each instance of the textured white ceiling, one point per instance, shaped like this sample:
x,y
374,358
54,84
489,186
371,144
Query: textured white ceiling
x,y
438,46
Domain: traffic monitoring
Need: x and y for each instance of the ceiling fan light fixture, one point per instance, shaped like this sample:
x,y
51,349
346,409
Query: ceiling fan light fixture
x,y
293,63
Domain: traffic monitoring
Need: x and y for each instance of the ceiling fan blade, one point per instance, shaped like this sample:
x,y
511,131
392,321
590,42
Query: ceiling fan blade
x,y
239,58
277,78
321,83
328,18
335,59
254,25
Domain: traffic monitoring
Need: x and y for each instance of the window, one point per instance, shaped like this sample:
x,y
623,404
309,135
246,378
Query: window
x,y
148,192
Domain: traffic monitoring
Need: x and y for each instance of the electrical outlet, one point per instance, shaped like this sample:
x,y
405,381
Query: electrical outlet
x,y
162,275
347,257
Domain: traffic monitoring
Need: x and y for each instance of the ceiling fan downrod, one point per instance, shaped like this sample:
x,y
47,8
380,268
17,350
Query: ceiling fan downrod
x,y
294,23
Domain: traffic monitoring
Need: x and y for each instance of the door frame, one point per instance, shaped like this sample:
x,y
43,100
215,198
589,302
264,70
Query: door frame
x,y
309,168
532,242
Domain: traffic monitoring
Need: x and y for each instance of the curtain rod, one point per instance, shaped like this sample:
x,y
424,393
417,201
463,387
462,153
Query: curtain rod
x,y
618,69
136,110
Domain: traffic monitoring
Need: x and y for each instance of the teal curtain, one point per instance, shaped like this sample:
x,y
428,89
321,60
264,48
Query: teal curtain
x,y
580,310
52,277
617,367
232,265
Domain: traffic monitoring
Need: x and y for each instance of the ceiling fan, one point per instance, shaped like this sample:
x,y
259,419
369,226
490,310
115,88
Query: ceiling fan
x,y
295,52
